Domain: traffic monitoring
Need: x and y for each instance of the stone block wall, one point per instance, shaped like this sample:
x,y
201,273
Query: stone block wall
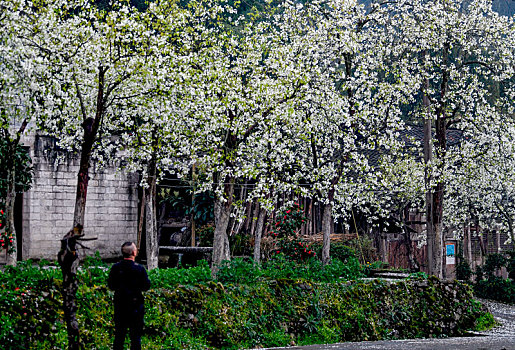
x,y
111,206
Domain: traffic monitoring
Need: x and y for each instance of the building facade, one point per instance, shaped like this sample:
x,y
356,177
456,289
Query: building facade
x,y
44,214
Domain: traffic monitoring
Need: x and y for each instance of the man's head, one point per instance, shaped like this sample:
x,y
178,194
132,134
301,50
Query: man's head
x,y
129,250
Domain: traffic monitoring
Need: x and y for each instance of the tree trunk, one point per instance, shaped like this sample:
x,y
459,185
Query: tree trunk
x,y
413,264
223,208
248,216
10,230
482,247
441,150
259,234
150,219
510,228
68,259
68,256
428,178
308,217
383,247
90,132
327,221
142,207
468,246
255,214
437,198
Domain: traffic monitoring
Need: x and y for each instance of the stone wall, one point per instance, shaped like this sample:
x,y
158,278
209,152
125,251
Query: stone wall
x,y
111,207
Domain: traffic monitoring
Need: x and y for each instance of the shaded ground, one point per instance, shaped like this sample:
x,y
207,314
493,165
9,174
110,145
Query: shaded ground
x,y
499,338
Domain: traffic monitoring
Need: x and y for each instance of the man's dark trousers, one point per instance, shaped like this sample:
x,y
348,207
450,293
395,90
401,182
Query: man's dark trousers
x,y
128,319
128,280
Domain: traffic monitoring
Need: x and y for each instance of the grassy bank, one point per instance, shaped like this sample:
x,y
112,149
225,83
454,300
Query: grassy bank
x,y
277,304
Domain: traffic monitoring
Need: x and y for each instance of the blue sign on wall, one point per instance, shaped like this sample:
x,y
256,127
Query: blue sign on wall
x,y
450,258
450,249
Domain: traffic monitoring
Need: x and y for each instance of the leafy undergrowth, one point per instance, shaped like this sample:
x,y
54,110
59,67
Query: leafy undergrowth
x,y
277,304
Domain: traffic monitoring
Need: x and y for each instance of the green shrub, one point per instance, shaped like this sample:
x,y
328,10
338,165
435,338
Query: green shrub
x,y
165,278
29,304
496,288
241,271
493,263
484,322
338,251
463,270
205,235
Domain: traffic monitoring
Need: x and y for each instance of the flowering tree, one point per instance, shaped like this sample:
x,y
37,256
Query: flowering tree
x,y
152,138
451,49
245,80
18,93
89,65
481,184
353,106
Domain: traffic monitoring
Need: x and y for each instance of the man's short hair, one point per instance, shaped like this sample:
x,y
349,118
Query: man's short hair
x,y
127,249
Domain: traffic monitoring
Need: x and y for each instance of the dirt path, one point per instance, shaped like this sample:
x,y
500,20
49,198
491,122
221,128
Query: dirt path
x,y
505,315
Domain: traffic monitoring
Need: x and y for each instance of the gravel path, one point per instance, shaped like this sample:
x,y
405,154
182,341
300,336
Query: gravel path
x,y
505,315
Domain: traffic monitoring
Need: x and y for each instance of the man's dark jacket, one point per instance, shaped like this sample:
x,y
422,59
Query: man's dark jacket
x,y
128,280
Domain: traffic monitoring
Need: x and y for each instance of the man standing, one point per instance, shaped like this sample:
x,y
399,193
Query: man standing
x,y
128,280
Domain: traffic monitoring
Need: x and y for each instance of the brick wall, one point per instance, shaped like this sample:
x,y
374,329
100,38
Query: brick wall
x,y
111,207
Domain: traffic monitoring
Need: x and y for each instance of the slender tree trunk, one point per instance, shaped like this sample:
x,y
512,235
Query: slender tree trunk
x,y
383,247
10,230
428,178
141,218
223,208
309,223
259,234
152,243
68,255
234,222
482,247
327,221
412,262
468,245
510,228
441,150
255,214
83,176
318,218
248,216
438,203
312,215
303,227
69,265
497,241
